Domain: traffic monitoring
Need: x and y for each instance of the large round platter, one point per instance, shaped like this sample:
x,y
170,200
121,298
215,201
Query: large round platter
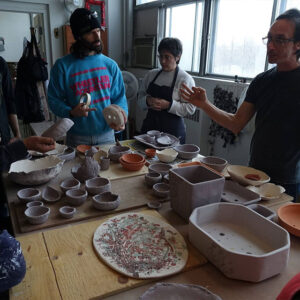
x,y
140,246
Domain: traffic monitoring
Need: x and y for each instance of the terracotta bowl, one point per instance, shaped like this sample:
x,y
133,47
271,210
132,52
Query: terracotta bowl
x,y
67,212
152,178
161,168
37,214
215,162
132,158
154,133
83,148
29,195
92,151
106,201
76,197
34,203
289,218
70,183
98,185
161,190
150,152
187,151
132,166
115,152
50,194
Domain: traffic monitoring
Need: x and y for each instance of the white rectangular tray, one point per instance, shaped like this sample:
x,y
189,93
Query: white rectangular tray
x,y
238,241
156,145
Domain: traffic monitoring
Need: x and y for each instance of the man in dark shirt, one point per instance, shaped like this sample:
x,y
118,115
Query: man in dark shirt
x,y
274,96
8,116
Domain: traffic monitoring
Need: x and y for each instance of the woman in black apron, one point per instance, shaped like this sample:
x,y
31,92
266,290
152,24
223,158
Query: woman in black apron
x,y
160,96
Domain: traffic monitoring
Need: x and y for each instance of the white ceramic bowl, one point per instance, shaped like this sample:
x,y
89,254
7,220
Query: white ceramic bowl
x,y
37,214
76,197
239,173
67,212
29,195
268,191
167,155
34,172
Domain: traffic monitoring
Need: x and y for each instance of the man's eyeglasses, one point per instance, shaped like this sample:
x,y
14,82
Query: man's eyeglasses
x,y
276,40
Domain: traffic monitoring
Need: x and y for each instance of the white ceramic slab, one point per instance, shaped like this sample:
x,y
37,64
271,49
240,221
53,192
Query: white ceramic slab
x,y
140,246
268,191
241,243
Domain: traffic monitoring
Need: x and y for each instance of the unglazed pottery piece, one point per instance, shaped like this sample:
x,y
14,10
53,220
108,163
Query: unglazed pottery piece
x,y
67,212
69,183
154,133
83,148
268,191
154,204
85,98
76,197
97,185
289,218
149,138
242,174
151,142
263,211
29,194
115,152
214,162
161,168
167,155
50,194
106,201
176,291
140,246
59,129
132,166
104,163
37,214
161,190
90,152
59,149
152,178
132,158
34,172
164,140
34,203
68,154
239,242
187,151
150,152
88,169
113,114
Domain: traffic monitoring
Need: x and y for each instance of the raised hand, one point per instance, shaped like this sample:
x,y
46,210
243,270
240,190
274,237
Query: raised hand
x,y
81,110
196,95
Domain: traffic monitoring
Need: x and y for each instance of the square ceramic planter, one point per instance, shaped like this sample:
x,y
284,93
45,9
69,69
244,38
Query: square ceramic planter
x,y
193,186
239,242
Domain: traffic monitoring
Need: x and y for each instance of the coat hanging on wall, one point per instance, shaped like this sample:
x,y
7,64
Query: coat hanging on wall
x,y
2,48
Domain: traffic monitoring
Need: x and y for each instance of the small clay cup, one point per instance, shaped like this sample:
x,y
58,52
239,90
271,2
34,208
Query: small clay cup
x,y
34,203
67,212
161,168
70,183
150,152
76,197
106,201
37,214
161,190
104,163
152,178
154,133
97,185
50,194
29,195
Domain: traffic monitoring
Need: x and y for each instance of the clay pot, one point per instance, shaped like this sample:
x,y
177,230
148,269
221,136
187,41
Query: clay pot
x,y
154,133
161,168
98,185
88,169
150,152
29,195
115,152
67,212
90,152
152,178
104,163
70,183
132,166
132,158
161,190
50,194
76,197
106,201
187,151
34,203
215,162
83,148
37,214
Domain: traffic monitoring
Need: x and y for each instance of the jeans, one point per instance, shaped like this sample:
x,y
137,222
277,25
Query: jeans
x,y
104,138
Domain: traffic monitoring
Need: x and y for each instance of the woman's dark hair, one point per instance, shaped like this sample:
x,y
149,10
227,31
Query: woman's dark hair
x,y
293,15
172,45
81,50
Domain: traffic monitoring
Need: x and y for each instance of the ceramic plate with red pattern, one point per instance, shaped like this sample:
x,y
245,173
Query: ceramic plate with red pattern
x,y
140,246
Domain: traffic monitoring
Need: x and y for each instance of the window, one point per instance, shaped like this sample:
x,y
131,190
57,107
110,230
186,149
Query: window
x,y
221,38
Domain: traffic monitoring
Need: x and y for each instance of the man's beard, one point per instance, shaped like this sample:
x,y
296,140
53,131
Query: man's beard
x,y
92,46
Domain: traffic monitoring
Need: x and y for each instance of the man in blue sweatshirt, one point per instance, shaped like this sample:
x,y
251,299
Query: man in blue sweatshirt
x,y
86,70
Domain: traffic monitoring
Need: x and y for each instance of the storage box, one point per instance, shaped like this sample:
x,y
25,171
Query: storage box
x,y
239,242
194,186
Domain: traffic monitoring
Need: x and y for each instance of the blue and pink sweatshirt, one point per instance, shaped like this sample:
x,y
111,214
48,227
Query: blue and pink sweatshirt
x,y
96,74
